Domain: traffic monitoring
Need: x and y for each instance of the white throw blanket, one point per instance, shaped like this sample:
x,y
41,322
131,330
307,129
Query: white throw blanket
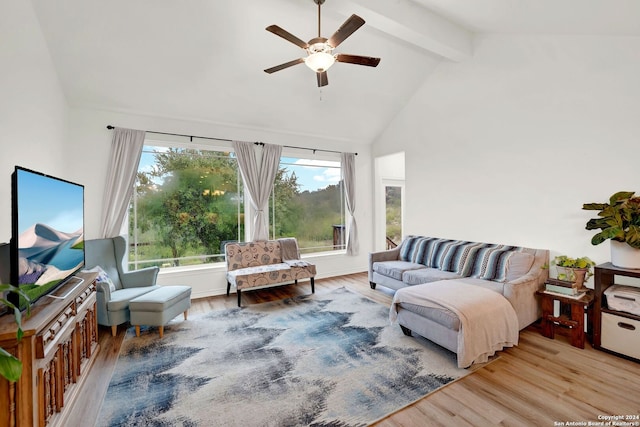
x,y
488,322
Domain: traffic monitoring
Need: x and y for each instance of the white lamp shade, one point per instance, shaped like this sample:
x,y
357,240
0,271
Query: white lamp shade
x,y
319,61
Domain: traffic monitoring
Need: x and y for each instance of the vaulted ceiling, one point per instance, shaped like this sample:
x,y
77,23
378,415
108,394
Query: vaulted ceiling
x,y
203,60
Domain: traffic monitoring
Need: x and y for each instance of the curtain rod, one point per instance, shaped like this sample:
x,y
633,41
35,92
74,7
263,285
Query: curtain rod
x,y
110,127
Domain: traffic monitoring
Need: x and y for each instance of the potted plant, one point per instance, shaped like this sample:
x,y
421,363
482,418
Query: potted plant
x,y
574,270
619,221
10,366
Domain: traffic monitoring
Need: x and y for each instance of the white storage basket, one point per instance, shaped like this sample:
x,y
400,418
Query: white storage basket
x,y
621,335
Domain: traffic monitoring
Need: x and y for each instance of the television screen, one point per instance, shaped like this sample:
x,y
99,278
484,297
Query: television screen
x,y
47,231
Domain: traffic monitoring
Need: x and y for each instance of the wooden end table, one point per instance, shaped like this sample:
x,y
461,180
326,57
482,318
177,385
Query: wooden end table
x,y
571,318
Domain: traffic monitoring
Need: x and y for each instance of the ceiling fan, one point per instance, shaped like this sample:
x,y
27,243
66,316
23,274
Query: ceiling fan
x,y
320,50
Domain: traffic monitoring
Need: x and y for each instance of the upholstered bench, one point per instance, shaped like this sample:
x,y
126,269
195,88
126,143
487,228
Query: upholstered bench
x,y
158,307
265,263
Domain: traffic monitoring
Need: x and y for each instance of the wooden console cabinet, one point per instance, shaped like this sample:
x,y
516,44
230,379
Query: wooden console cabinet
x,y
57,350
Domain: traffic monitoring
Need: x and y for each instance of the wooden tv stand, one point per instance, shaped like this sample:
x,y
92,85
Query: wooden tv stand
x,y
59,346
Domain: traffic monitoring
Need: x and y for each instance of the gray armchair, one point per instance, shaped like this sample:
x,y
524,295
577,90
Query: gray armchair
x,y
113,305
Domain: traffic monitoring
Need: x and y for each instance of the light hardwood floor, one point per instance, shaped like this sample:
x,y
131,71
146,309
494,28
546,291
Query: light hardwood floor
x,y
541,382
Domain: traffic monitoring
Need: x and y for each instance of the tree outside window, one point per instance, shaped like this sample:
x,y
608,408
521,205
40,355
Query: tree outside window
x,y
308,203
189,202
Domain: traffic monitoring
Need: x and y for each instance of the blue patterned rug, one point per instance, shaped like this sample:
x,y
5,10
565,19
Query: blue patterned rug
x,y
328,359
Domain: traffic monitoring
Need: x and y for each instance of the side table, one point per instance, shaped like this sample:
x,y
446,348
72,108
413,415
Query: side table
x,y
571,318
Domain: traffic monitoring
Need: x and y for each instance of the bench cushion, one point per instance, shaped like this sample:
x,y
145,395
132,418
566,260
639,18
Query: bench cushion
x,y
121,298
260,275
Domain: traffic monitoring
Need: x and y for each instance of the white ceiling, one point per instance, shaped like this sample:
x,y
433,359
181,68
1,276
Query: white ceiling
x,y
203,60
576,17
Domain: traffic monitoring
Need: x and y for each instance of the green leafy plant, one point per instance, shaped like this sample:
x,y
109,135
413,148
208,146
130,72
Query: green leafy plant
x,y
618,220
10,366
565,261
575,270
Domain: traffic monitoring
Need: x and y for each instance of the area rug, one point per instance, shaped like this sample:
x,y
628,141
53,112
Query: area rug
x,y
328,359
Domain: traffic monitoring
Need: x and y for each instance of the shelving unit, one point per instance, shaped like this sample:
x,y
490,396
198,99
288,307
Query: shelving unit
x,y
614,331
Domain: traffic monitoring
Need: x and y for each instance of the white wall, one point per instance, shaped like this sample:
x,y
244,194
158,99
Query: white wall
x,y
507,146
90,142
40,132
33,110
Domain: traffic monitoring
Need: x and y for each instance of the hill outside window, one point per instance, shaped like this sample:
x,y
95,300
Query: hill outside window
x,y
308,203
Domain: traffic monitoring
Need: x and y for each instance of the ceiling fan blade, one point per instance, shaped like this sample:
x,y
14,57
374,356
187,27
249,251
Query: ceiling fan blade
x,y
323,80
358,60
349,27
287,36
283,66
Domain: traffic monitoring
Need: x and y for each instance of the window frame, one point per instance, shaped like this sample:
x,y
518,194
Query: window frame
x,y
222,146
313,155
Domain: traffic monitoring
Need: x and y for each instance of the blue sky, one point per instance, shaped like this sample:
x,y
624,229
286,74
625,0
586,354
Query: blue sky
x,y
49,201
312,174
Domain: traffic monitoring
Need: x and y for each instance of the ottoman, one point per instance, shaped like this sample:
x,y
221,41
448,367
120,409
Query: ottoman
x,y
159,306
470,320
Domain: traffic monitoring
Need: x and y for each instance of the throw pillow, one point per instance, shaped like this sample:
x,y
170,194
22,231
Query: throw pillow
x,y
492,263
103,277
455,256
518,265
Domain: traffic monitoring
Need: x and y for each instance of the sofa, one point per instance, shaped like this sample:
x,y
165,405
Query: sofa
x,y
265,263
444,284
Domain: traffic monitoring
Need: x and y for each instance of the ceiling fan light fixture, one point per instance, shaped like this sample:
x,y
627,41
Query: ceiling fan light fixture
x,y
319,61
319,50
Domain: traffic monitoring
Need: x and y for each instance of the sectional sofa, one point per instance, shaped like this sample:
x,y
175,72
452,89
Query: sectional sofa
x,y
435,277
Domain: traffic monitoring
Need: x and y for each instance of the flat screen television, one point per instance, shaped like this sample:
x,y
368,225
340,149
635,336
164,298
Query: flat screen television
x,y
47,239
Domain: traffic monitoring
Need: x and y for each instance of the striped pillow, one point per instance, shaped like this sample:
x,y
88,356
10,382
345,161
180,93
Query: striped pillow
x,y
491,263
429,250
456,255
409,246
418,249
462,258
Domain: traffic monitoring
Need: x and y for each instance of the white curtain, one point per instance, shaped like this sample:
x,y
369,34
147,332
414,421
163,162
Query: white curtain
x,y
126,148
348,161
258,180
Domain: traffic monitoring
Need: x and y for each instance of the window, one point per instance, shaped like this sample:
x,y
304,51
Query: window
x,y
393,214
308,203
188,202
